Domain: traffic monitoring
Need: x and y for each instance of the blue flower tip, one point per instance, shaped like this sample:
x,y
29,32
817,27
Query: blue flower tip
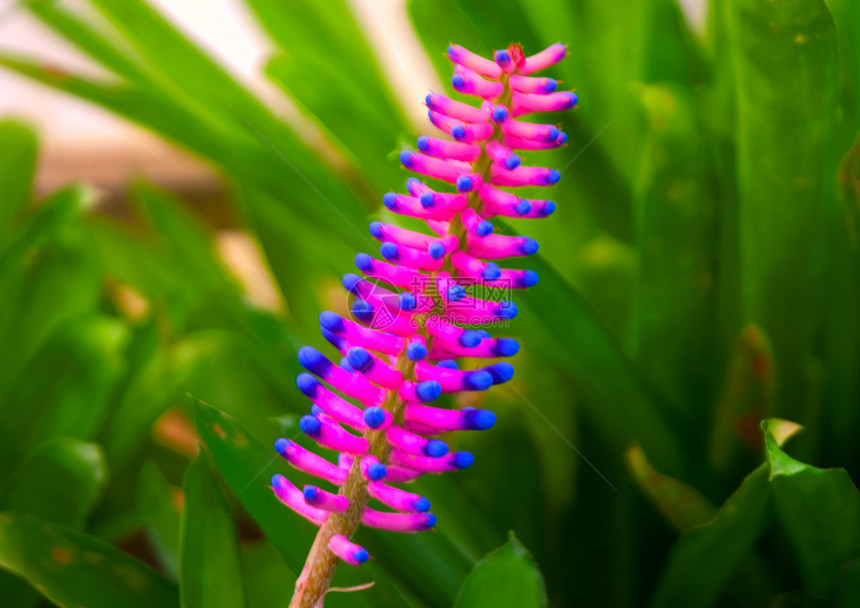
x,y
523,206
310,493
376,229
406,158
406,300
428,390
435,448
470,338
464,183
562,138
448,364
456,293
316,410
390,200
310,425
463,460
484,228
458,132
491,271
422,505
574,99
507,310
364,262
549,208
436,250
529,278
362,310
361,555
529,246
478,380
430,521
416,351
550,86
281,445
424,141
512,162
359,359
553,177
553,133
374,417
331,320
502,372
350,281
307,384
506,347
426,199
389,251
499,113
376,471
479,420
277,480
313,360
502,57
457,81
484,333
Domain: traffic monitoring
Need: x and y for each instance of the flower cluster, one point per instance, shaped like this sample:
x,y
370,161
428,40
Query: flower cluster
x,y
415,310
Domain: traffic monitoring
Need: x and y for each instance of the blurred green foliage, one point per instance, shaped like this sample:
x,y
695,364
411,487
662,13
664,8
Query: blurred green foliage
x,y
700,276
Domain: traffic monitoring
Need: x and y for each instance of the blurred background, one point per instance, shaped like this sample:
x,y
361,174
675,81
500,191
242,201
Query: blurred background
x,y
183,184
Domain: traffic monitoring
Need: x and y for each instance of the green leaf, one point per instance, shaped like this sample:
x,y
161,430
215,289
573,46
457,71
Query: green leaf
x,y
682,505
211,571
60,481
507,577
246,467
17,166
65,391
71,568
703,560
675,223
786,63
820,509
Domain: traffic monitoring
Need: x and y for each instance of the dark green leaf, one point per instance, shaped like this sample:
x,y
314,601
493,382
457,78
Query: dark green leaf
x,y
71,568
820,509
507,577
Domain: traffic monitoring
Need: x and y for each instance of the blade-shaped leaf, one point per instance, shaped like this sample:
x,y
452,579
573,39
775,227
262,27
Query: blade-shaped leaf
x,y
211,571
17,165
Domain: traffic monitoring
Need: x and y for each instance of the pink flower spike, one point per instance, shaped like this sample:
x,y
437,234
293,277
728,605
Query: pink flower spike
x,y
544,59
502,155
522,103
330,403
469,82
329,434
398,522
398,499
453,150
373,368
529,130
349,552
352,385
317,497
447,171
310,463
452,461
415,444
536,86
444,420
456,109
523,176
397,474
291,496
467,58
